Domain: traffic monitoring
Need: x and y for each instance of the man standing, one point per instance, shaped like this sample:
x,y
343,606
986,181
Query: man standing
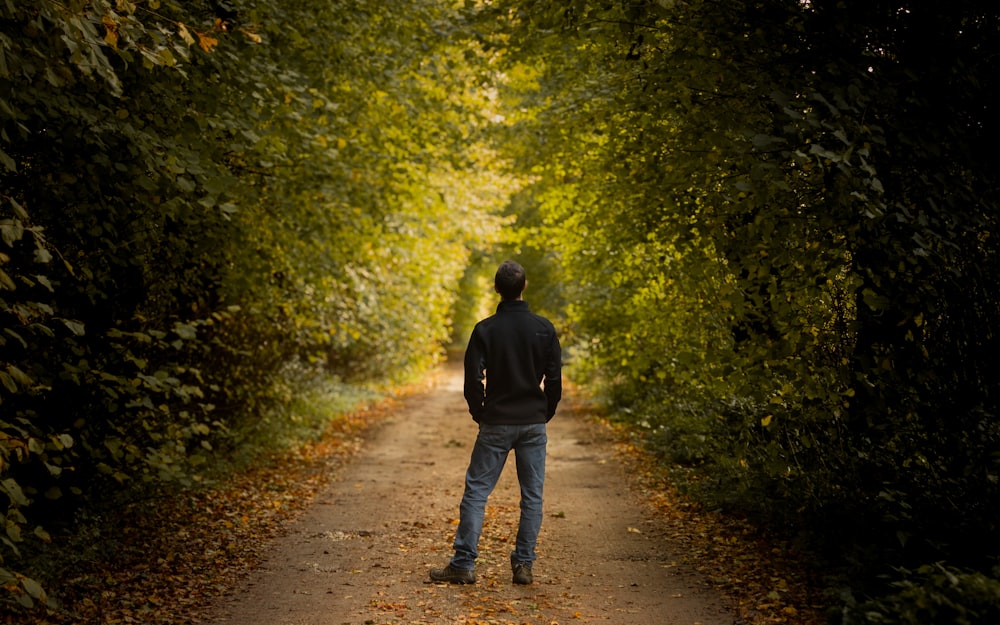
x,y
513,382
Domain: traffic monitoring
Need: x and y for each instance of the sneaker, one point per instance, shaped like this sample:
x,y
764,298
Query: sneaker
x,y
521,570
453,575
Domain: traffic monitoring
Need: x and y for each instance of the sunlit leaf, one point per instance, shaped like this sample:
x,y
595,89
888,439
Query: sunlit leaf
x,y
185,34
206,42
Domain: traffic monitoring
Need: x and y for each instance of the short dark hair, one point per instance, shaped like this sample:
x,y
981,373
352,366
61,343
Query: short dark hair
x,y
510,280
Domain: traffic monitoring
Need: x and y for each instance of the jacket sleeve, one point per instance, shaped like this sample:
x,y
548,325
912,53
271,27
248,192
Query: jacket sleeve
x,y
553,377
475,369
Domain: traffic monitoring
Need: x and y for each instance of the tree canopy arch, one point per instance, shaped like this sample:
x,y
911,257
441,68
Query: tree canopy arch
x,y
766,228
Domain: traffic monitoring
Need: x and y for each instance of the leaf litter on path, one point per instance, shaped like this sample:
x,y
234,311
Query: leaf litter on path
x,y
345,530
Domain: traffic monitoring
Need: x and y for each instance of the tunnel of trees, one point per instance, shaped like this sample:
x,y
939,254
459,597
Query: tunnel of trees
x,y
765,228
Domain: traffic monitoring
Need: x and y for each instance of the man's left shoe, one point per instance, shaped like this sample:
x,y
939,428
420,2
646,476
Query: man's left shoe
x,y
521,571
453,575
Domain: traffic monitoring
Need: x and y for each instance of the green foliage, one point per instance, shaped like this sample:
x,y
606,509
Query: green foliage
x,y
311,400
203,204
933,594
767,231
776,225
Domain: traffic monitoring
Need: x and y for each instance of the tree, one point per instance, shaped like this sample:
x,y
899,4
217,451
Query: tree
x,y
207,204
777,218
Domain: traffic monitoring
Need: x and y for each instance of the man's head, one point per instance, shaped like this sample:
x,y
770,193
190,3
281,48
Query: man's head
x,y
510,280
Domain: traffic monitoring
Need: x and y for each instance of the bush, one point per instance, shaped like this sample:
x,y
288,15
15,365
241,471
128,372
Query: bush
x,y
934,593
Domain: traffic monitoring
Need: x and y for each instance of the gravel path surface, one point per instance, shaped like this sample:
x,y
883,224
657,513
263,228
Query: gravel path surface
x,y
360,554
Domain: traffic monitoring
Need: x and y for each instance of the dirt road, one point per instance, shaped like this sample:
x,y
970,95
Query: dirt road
x,y
361,553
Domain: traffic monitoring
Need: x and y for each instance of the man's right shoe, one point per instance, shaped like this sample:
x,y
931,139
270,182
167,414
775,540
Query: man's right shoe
x,y
521,571
453,575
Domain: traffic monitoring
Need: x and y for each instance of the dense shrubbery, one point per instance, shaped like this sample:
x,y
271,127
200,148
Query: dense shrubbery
x,y
771,223
201,205
777,224
933,594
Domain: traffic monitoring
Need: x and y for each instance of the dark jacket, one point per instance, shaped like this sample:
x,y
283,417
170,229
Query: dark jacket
x,y
514,351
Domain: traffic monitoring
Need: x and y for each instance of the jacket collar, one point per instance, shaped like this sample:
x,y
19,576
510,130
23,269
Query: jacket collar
x,y
514,305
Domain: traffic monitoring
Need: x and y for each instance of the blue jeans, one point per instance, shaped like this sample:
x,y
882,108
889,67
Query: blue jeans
x,y
493,444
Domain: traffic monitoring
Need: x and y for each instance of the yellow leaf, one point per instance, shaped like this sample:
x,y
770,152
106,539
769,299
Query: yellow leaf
x,y
252,36
766,421
185,34
206,43
111,31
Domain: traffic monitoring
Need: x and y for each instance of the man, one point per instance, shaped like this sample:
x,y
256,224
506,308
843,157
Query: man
x,y
513,382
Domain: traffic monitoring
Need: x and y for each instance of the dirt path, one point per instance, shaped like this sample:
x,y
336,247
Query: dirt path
x,y
360,554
